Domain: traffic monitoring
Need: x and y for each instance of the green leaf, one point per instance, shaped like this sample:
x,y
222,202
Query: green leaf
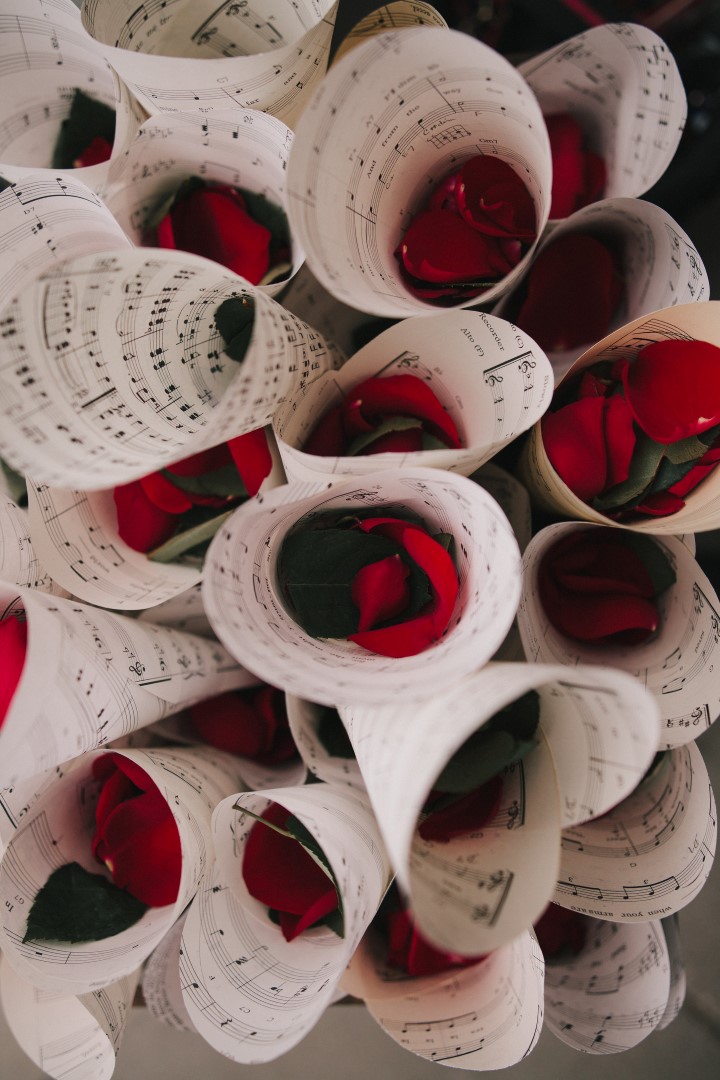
x,y
225,482
269,214
431,442
503,740
389,424
643,467
234,319
183,542
685,451
75,905
88,119
654,559
332,735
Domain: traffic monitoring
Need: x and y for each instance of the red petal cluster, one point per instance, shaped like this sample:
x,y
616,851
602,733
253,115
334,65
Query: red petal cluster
x,y
590,443
594,587
409,951
673,388
97,151
13,646
279,872
470,234
135,833
252,723
579,176
213,221
371,402
465,815
561,931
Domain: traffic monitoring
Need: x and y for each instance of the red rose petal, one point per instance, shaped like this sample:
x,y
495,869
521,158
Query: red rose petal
x,y
697,474
492,198
327,438
380,591
206,461
673,389
409,951
619,439
95,152
661,504
404,395
164,494
13,647
574,440
293,925
579,177
252,458
558,929
443,249
465,815
141,523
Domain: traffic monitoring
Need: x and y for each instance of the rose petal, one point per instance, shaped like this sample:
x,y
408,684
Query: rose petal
x,y
252,458
293,925
619,439
579,177
441,248
141,523
409,951
404,395
558,929
13,647
697,474
465,815
204,462
673,389
574,441
97,151
327,438
492,198
164,494
380,591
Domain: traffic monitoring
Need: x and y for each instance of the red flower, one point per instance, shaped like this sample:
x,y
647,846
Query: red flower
x,y
252,723
368,407
573,291
13,646
470,234
135,833
590,443
97,151
279,872
560,931
409,951
463,815
579,176
212,220
595,586
673,388
149,509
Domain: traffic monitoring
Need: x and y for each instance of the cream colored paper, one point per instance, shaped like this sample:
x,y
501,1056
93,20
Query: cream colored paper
x,y
395,16
91,676
622,84
479,1018
19,563
183,612
161,982
304,716
142,378
492,379
59,828
511,496
687,322
651,855
244,603
251,994
677,664
477,892
202,56
388,123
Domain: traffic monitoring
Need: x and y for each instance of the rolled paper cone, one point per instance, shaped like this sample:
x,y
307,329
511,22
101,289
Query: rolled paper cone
x,y
621,83
62,1033
311,302
44,57
388,123
393,16
689,322
203,57
658,263
486,1016
511,496
678,981
629,962
45,218
649,856
77,535
19,564
243,149
59,829
492,380
118,413
244,601
90,677
250,993
675,664
475,893
161,982
183,612
304,717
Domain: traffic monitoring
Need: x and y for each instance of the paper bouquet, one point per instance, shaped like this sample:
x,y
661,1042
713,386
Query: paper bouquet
x,y
298,697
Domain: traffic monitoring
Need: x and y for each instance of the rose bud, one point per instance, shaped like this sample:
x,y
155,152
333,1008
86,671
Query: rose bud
x,y
579,176
252,723
135,833
407,949
13,646
280,872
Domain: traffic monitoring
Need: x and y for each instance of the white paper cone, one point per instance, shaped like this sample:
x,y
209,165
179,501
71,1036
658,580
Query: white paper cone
x,y
304,717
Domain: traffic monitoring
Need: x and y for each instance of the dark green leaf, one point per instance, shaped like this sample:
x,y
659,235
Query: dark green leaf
x,y
234,319
4,183
75,905
270,215
685,450
389,424
654,559
332,735
643,467
225,482
184,542
430,442
88,119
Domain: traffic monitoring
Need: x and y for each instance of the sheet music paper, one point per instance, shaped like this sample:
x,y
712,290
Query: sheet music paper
x,y
244,149
389,121
91,676
614,993
304,717
659,264
184,612
243,600
677,663
512,498
70,1038
678,981
114,367
19,563
395,16
186,55
483,1017
477,892
648,857
686,322
161,981
493,380
250,993
622,84
58,829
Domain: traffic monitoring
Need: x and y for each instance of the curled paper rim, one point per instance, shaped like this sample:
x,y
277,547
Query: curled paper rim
x,y
479,412
327,670
327,767
648,661
701,512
